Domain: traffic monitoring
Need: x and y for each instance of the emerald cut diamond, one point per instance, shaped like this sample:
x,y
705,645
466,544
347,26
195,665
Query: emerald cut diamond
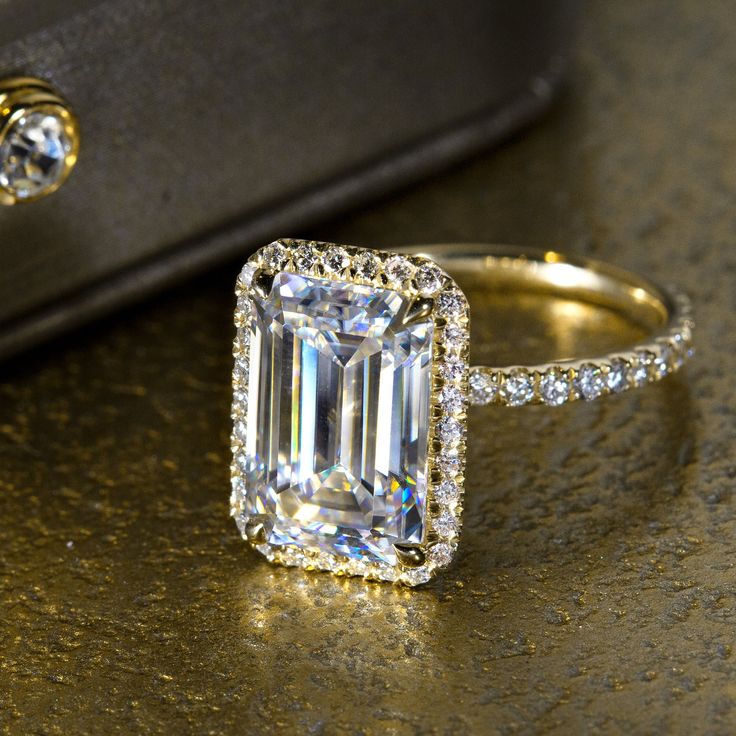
x,y
338,414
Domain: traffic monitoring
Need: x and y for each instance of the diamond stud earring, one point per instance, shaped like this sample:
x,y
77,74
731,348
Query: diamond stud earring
x,y
351,386
39,140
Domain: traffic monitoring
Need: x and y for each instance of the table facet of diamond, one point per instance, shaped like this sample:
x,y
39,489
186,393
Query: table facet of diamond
x,y
337,420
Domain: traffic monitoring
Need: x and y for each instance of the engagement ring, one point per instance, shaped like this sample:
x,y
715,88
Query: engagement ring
x,y
352,382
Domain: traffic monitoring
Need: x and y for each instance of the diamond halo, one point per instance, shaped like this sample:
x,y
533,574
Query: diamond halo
x,y
447,401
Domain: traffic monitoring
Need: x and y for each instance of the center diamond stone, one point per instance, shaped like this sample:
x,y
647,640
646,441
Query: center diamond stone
x,y
338,417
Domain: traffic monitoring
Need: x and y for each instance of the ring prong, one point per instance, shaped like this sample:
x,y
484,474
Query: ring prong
x,y
410,556
262,282
255,532
420,309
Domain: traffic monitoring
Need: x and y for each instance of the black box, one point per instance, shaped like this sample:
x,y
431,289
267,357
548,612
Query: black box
x,y
210,127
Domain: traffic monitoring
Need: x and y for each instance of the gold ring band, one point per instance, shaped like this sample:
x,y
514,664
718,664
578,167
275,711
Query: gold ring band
x,y
665,315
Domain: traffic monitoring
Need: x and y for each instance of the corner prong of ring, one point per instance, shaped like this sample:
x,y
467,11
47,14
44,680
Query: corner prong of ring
x,y
409,556
262,283
420,309
255,532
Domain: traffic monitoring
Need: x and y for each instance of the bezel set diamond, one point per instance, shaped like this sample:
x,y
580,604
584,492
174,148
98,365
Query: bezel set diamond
x,y
415,277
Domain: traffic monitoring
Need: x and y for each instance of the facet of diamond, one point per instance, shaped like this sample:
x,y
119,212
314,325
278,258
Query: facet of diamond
x,y
450,430
398,269
554,387
518,387
617,378
428,279
452,400
451,303
591,382
305,257
482,388
447,492
274,256
366,265
33,154
338,418
453,368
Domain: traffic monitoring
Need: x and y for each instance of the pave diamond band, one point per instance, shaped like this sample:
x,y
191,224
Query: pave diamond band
x,y
667,315
352,381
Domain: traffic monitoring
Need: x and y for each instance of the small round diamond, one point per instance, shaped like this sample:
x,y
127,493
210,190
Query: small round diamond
x,y
448,463
554,388
241,461
366,265
304,257
386,573
237,494
451,304
240,402
33,155
445,524
447,492
356,567
398,269
591,382
240,429
441,554
517,388
664,361
452,399
428,279
241,342
274,256
242,363
456,337
482,388
679,351
245,278
453,368
417,576
617,378
335,259
450,430
641,366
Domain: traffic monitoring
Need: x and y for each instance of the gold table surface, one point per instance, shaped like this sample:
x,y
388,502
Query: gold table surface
x,y
595,590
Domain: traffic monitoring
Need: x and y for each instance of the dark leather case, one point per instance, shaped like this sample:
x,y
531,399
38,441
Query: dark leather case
x,y
208,127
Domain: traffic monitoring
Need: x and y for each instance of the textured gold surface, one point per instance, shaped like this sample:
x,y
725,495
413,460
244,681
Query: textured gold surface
x,y
594,591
